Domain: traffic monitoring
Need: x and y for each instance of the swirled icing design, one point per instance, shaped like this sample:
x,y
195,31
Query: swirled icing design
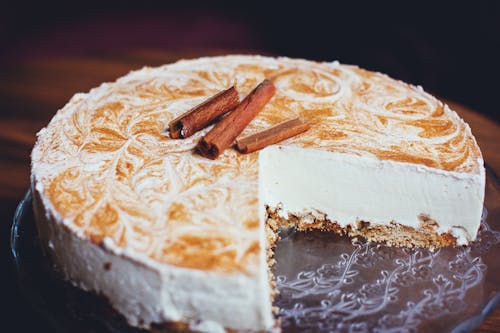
x,y
108,166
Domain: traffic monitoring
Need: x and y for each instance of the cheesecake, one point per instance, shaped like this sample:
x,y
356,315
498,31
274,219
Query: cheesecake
x,y
168,236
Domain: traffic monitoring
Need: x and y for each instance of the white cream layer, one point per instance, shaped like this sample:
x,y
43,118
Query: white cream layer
x,y
147,292
351,188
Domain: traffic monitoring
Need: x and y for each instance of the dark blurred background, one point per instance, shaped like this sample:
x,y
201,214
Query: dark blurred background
x,y
451,48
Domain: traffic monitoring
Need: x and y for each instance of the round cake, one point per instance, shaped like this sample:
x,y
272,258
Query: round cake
x,y
167,235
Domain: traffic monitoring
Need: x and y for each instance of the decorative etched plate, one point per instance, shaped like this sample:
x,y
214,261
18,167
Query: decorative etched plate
x,y
327,283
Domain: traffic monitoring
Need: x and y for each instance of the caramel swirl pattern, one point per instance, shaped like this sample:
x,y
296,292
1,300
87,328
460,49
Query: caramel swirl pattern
x,y
109,169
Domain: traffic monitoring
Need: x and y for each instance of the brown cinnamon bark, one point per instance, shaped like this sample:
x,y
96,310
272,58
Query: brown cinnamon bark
x,y
272,135
224,133
204,114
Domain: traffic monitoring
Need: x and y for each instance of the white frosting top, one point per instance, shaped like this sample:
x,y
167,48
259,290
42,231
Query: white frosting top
x,y
109,169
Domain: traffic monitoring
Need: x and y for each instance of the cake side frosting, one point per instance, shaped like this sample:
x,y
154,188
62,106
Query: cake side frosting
x,y
146,293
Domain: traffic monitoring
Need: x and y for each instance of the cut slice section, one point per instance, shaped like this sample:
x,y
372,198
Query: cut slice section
x,y
363,195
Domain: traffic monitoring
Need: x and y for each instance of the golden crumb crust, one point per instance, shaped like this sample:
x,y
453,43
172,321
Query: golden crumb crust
x,y
392,234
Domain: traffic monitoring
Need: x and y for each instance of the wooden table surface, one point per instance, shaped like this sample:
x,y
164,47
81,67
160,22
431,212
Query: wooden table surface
x,y
32,91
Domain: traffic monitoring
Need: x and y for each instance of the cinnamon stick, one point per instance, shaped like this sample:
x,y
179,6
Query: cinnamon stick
x,y
224,133
204,114
272,135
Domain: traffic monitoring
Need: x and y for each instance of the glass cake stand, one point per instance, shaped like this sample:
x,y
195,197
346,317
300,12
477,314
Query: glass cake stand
x,y
326,282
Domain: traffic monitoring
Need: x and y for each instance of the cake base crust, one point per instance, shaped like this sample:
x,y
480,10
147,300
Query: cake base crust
x,y
392,234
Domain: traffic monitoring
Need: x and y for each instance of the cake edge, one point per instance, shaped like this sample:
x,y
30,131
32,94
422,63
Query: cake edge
x,y
81,259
